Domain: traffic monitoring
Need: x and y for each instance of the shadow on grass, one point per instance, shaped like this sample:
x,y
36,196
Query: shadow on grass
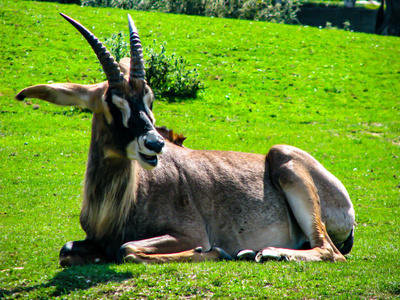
x,y
70,280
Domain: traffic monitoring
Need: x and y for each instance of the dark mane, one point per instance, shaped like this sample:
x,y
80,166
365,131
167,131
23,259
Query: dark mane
x,y
171,136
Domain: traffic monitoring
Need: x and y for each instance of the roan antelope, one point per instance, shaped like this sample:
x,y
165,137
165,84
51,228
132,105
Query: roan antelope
x,y
149,199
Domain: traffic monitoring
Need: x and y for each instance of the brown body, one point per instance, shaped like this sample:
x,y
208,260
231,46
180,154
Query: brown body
x,y
223,199
150,200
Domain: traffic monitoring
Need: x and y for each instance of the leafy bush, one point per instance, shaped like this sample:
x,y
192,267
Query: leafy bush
x,y
169,77
118,46
63,1
97,3
278,11
285,12
224,9
147,5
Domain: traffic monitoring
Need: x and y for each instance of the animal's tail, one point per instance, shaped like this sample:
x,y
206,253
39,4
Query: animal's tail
x,y
346,246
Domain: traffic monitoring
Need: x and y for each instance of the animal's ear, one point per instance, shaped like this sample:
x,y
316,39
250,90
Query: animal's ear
x,y
68,94
125,65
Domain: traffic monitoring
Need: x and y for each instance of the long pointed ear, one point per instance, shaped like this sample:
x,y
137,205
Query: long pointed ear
x,y
68,94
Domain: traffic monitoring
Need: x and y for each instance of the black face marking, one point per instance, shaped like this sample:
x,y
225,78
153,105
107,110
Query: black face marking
x,y
148,125
139,122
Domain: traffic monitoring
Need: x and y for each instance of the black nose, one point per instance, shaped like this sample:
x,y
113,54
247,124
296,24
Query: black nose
x,y
155,146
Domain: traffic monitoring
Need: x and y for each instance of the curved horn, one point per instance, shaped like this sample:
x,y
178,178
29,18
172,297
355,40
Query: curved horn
x,y
110,66
137,63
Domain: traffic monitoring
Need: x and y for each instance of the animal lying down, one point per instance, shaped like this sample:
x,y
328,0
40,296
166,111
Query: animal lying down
x,y
149,199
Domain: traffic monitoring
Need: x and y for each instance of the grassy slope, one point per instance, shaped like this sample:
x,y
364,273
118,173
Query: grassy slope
x,y
332,93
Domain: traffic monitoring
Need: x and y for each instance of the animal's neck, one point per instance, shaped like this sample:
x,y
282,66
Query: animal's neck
x,y
110,189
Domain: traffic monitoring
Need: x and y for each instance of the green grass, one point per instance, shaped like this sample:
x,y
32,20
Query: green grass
x,y
332,93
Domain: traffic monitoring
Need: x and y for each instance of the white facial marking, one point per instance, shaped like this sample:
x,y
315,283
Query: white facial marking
x,y
123,106
132,151
107,113
147,99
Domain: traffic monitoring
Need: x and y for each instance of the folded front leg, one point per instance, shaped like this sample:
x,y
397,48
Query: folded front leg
x,y
167,249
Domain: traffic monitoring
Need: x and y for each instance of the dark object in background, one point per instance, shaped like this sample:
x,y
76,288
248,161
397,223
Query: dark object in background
x,y
63,1
388,18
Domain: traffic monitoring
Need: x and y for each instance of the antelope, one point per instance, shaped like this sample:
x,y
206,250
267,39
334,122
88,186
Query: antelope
x,y
149,199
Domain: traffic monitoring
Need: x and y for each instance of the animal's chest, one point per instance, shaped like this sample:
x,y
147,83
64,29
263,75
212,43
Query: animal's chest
x,y
158,214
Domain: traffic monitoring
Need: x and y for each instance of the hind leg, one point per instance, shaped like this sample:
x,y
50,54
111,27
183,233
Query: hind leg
x,y
292,171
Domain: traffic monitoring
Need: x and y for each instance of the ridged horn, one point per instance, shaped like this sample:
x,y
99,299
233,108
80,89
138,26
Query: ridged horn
x,y
137,63
110,66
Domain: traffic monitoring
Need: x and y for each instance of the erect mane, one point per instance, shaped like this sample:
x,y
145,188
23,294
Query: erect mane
x,y
171,136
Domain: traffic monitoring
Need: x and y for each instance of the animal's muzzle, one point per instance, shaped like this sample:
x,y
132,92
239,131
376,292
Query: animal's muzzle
x,y
155,145
152,143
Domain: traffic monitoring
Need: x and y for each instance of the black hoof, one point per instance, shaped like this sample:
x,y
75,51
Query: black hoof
x,y
198,249
221,253
247,254
81,252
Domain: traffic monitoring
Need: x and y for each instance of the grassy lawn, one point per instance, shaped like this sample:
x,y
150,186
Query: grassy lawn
x,y
333,93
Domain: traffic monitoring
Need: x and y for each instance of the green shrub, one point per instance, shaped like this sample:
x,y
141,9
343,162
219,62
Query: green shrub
x,y
169,77
284,11
224,9
63,1
146,5
97,3
118,46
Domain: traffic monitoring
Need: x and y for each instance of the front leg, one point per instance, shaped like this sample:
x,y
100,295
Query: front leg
x,y
167,249
80,253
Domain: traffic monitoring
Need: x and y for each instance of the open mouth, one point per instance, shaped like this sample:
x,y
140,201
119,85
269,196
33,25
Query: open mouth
x,y
152,160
